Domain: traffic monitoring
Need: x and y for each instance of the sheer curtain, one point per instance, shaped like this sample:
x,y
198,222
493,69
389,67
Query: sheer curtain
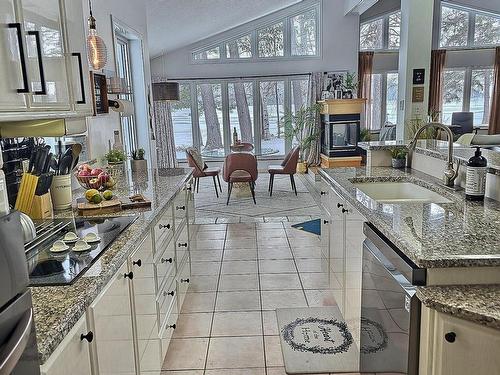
x,y
494,127
164,129
438,59
365,68
315,87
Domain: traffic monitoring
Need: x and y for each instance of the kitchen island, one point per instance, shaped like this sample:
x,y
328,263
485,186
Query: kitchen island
x,y
58,308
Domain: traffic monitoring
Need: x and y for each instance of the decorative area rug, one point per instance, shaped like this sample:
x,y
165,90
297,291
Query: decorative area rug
x,y
311,226
316,340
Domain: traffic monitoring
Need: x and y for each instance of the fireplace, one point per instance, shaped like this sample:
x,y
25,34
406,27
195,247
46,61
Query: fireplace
x,y
340,134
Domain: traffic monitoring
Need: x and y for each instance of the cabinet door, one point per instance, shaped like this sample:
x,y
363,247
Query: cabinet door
x,y
111,317
180,208
72,356
46,62
12,60
181,245
183,280
163,230
78,66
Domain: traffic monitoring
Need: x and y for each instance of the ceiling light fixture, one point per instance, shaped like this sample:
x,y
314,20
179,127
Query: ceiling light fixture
x,y
168,91
97,51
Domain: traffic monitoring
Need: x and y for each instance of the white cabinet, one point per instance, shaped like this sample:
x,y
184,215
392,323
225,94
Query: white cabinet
x,y
72,356
453,346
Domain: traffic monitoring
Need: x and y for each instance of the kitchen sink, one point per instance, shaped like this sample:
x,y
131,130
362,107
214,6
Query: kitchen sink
x,y
399,192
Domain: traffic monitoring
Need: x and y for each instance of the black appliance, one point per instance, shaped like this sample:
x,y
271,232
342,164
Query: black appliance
x,y
18,349
48,268
340,135
390,309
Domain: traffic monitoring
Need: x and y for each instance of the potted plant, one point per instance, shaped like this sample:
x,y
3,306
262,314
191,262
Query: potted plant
x,y
138,163
349,85
301,127
114,157
365,135
398,157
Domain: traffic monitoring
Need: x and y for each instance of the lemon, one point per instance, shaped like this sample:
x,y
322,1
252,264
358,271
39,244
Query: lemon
x,y
89,194
96,199
108,194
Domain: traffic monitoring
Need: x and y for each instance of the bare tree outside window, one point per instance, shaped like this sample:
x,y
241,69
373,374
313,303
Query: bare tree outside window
x,y
210,104
487,30
453,93
182,121
371,35
209,54
454,27
239,48
271,41
481,94
394,30
303,28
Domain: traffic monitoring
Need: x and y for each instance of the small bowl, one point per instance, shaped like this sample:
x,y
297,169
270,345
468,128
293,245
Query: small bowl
x,y
70,237
81,245
91,237
59,246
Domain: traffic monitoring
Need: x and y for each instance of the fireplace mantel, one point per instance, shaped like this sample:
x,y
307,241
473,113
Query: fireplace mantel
x,y
342,106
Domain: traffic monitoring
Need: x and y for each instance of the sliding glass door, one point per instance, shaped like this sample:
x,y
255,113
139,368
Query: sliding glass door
x,y
210,119
182,121
241,110
272,95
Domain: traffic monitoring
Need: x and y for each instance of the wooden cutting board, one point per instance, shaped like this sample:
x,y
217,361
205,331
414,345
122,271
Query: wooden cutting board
x,y
105,207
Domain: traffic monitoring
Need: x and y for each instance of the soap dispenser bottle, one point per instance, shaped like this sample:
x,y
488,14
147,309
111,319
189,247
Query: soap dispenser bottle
x,y
475,181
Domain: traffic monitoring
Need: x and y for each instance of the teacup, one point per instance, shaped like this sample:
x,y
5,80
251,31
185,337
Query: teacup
x,y
91,237
81,245
70,237
59,246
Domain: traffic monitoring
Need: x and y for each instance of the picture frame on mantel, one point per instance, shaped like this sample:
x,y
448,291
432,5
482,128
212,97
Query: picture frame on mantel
x,y
99,93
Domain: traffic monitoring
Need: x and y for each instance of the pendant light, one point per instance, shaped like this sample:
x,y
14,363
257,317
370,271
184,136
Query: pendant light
x,y
97,52
166,91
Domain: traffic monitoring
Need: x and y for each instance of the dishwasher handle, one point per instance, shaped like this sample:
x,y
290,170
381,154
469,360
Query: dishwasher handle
x,y
16,344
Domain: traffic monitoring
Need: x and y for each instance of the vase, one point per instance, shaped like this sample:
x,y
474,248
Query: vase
x,y
398,163
301,167
138,165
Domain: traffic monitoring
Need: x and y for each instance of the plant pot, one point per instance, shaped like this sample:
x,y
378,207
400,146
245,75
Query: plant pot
x,y
398,163
139,165
302,167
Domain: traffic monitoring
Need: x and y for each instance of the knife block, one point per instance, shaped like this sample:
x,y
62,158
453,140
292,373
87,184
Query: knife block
x,y
42,207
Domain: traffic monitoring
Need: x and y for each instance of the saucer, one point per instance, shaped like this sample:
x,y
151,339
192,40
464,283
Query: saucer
x,y
81,245
59,247
91,238
70,237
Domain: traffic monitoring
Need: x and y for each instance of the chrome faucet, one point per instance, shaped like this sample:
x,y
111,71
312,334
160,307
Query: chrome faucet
x,y
450,174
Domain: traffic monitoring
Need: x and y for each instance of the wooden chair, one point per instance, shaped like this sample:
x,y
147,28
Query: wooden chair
x,y
240,167
287,166
200,170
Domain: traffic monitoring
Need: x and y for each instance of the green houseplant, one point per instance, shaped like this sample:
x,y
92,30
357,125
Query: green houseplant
x,y
399,157
301,126
138,163
350,85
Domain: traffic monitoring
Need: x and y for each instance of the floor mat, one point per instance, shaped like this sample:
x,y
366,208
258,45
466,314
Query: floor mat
x,y
316,340
311,226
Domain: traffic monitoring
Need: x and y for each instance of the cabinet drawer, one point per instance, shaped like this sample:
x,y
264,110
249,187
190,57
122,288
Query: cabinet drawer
x,y
331,201
165,265
182,244
168,330
183,280
180,207
167,297
163,229
72,356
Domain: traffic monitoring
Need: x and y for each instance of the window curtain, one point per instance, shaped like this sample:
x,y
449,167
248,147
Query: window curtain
x,y
164,129
438,59
365,69
494,127
315,87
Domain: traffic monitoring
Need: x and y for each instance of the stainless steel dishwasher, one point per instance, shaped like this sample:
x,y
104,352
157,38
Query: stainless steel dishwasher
x,y
390,310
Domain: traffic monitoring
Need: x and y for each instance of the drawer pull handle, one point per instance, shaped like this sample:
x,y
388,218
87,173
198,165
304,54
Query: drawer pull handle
x,y
182,244
189,188
169,293
323,193
325,221
130,275
344,210
180,207
161,226
169,260
137,263
339,205
89,336
184,280
450,337
173,326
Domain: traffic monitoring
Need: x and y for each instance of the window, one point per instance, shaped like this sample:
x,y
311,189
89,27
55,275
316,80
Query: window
x,y
241,109
239,48
270,41
384,100
453,93
182,121
210,119
303,28
465,27
481,95
272,111
381,33
300,94
296,35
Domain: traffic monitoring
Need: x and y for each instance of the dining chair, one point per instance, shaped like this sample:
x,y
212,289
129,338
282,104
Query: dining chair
x,y
288,166
240,168
200,169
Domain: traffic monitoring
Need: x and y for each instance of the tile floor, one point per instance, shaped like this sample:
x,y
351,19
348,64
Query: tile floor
x,y
241,273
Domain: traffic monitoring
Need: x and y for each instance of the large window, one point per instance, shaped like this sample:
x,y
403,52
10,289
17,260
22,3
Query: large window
x,y
210,119
293,36
464,27
182,121
381,33
467,89
272,95
384,100
241,109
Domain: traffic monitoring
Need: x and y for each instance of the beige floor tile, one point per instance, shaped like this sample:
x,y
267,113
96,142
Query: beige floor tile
x,y
239,267
186,354
272,242
240,254
235,352
275,253
263,234
182,372
270,323
307,252
262,227
198,302
237,371
212,227
320,298
281,371
211,235
241,227
277,266
312,265
272,300
205,268
193,325
209,245
241,235
315,280
279,281
229,283
245,323
274,357
206,256
203,284
241,243
238,301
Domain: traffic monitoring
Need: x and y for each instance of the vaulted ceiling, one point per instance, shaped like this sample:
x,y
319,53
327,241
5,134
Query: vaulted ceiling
x,y
173,24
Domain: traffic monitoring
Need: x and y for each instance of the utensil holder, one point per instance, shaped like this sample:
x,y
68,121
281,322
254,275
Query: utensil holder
x,y
60,190
42,207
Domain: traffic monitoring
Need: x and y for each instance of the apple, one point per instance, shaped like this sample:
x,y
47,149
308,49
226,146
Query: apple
x,y
83,173
94,183
96,172
103,177
84,167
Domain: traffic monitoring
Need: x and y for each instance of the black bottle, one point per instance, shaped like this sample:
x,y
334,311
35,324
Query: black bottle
x,y
475,182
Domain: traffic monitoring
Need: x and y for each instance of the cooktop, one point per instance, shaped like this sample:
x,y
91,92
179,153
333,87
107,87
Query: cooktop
x,y
47,268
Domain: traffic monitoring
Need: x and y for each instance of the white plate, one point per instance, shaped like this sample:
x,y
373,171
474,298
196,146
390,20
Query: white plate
x,y
60,250
81,249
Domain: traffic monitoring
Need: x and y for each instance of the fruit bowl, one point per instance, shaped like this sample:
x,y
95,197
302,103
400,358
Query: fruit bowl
x,y
89,182
95,178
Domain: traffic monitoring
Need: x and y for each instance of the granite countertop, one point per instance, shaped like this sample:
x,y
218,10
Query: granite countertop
x,y
439,149
58,308
476,303
456,234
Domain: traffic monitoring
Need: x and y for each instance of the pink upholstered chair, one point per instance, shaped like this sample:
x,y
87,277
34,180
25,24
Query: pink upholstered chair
x,y
240,167
287,166
200,169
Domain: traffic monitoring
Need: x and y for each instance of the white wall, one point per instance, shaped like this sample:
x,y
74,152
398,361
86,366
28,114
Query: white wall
x,y
131,13
340,39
